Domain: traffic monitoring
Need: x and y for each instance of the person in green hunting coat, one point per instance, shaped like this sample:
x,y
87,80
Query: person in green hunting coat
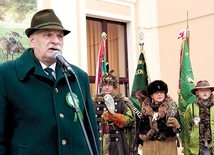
x,y
37,115
115,118
199,122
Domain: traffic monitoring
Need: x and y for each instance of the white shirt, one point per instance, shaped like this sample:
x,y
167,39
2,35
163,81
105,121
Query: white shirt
x,y
53,66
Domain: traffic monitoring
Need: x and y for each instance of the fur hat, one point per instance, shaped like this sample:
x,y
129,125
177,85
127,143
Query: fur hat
x,y
109,78
45,19
202,84
157,85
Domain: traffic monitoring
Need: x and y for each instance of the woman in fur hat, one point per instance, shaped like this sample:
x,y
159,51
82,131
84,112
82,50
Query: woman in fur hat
x,y
115,118
199,122
160,121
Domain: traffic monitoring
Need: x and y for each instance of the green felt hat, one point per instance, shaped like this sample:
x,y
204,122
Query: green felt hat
x,y
45,19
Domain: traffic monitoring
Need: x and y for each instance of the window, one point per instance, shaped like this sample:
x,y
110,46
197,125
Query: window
x,y
115,50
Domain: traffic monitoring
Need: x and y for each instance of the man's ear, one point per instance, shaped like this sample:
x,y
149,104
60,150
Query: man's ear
x,y
31,39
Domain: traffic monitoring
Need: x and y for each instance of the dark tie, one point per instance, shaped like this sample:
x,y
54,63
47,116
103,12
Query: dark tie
x,y
50,71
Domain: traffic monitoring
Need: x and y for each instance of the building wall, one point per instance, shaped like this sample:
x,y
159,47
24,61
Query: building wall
x,y
171,20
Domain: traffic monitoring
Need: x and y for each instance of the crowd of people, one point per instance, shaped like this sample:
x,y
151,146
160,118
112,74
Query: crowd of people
x,y
47,109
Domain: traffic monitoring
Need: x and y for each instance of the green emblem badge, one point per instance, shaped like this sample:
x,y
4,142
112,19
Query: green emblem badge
x,y
71,104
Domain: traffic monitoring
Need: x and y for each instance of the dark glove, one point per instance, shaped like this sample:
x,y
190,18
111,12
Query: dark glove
x,y
173,122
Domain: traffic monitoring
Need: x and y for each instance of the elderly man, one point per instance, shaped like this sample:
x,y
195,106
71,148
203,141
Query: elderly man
x,y
37,114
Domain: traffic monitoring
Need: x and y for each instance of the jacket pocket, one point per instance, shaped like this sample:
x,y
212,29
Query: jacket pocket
x,y
22,150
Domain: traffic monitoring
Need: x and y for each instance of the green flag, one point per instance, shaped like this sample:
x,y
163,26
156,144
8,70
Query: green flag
x,y
186,79
138,93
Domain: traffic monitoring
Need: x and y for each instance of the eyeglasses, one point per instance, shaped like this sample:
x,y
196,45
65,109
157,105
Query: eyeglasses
x,y
159,92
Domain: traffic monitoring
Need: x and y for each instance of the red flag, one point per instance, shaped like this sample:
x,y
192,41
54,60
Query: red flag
x,y
99,66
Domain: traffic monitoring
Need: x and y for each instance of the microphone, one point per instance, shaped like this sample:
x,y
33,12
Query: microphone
x,y
61,60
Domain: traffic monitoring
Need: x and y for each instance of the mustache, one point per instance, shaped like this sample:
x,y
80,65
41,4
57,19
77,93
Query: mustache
x,y
55,47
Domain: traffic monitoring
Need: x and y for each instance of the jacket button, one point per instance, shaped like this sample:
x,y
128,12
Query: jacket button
x,y
64,142
56,90
61,115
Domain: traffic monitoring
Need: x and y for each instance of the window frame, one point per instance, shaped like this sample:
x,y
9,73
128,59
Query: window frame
x,y
123,81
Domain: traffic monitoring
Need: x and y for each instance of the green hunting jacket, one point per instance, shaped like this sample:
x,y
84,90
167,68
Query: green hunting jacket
x,y
34,116
191,132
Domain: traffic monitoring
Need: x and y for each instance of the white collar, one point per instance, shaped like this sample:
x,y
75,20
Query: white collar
x,y
53,66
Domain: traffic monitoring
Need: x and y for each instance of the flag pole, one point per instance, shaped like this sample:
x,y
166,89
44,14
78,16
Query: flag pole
x,y
141,43
188,34
100,63
103,36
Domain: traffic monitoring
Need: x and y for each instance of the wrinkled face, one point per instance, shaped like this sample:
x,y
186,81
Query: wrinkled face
x,y
44,42
108,89
158,96
203,93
